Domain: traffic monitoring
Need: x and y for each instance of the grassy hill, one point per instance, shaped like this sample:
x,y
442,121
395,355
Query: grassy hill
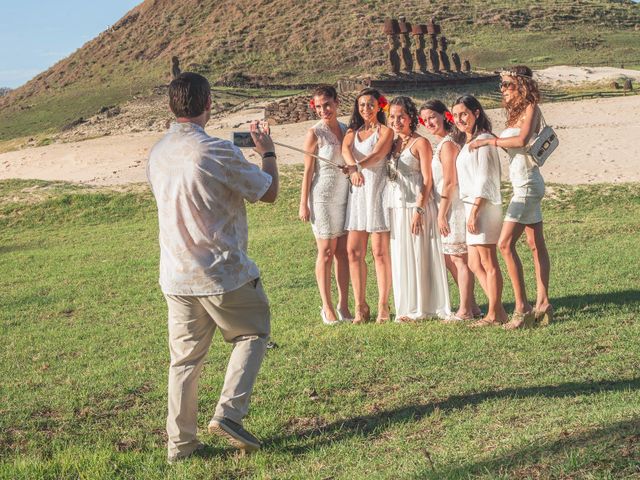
x,y
294,41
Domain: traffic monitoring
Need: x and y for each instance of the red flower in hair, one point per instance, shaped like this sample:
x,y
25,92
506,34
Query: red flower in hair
x,y
382,102
312,104
448,116
422,122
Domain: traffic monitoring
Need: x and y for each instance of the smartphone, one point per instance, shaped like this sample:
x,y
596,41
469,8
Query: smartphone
x,y
243,140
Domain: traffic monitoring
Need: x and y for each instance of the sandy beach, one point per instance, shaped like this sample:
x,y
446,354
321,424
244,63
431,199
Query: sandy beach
x,y
598,143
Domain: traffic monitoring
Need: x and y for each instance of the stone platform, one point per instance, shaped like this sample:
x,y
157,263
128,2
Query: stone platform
x,y
415,81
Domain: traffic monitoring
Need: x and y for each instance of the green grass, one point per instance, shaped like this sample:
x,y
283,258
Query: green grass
x,y
83,362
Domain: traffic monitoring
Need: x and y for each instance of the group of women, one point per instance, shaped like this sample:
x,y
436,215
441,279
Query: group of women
x,y
427,210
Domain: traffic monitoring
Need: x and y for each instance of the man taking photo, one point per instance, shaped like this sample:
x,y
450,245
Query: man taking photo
x,y
200,184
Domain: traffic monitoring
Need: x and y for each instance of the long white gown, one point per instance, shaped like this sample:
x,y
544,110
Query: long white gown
x,y
420,288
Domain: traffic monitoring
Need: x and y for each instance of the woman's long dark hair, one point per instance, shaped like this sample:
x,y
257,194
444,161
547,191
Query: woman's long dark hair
x,y
450,127
356,120
410,109
483,124
529,93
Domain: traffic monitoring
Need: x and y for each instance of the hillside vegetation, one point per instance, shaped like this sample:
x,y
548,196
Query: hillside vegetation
x,y
300,41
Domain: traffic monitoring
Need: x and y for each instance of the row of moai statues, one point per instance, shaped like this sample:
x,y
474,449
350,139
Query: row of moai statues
x,y
399,34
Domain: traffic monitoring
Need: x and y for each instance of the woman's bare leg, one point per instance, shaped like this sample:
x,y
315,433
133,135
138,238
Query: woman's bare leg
x,y
509,236
541,262
324,261
465,280
493,282
341,261
356,252
380,247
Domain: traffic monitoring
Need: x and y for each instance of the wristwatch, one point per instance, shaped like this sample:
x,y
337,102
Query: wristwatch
x,y
420,210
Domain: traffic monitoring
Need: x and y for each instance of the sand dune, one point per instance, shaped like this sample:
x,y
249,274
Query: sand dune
x,y
598,143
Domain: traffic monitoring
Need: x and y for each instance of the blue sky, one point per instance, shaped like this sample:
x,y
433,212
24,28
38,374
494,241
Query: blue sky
x,y
35,34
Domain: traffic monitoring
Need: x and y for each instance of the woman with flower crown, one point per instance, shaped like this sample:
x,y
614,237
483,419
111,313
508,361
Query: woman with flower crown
x,y
323,201
438,121
520,95
420,288
365,149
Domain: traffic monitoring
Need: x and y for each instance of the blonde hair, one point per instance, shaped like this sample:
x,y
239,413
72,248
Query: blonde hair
x,y
529,93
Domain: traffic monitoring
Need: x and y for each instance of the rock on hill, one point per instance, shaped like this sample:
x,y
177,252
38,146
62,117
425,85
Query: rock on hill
x,y
4,91
298,41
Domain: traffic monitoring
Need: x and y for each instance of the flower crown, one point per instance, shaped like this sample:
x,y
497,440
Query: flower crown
x,y
513,73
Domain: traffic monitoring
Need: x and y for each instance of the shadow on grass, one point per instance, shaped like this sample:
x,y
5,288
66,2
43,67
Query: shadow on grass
x,y
613,449
372,425
591,302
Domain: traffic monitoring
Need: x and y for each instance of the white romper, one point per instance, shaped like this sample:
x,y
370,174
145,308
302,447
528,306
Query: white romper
x,y
527,182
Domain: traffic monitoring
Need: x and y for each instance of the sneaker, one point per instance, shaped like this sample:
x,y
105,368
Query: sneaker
x,y
177,457
234,433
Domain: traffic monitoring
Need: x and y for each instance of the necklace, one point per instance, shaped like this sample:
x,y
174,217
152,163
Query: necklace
x,y
392,165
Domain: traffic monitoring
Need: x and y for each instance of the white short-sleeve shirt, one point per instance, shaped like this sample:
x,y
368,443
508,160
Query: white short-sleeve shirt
x,y
200,184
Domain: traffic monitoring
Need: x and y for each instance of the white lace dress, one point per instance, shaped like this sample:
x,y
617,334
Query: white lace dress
x,y
527,182
329,187
420,288
479,177
365,209
455,242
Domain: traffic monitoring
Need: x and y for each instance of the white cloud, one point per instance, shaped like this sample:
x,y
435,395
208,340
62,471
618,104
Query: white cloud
x,y
16,77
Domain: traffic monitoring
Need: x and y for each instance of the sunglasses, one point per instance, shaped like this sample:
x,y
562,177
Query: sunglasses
x,y
506,85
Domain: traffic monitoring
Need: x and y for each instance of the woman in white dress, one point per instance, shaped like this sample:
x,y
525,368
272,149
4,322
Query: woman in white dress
x,y
438,121
365,149
479,179
420,288
323,201
520,98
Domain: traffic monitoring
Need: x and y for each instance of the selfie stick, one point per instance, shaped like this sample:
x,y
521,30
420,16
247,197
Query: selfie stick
x,y
310,154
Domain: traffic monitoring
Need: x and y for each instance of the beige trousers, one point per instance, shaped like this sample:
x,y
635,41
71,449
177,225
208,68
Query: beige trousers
x,y
243,318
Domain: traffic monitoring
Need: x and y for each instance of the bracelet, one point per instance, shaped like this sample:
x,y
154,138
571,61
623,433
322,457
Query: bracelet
x,y
268,155
420,210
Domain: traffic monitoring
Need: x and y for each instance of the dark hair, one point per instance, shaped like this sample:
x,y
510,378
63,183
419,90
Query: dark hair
x,y
356,120
483,124
325,91
410,109
528,89
188,95
450,127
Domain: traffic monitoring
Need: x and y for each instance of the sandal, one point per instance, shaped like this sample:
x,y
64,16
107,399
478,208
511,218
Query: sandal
x,y
485,322
380,319
521,320
404,319
543,317
363,315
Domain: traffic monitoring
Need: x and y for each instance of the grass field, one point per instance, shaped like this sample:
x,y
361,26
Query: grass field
x,y
83,362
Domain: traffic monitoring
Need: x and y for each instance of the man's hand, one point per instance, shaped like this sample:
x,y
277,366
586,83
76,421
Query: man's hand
x,y
260,134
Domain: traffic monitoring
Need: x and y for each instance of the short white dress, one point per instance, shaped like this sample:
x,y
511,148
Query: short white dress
x,y
527,182
420,288
365,208
479,177
329,187
455,242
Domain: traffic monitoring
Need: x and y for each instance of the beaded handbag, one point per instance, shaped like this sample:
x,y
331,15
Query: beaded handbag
x,y
541,147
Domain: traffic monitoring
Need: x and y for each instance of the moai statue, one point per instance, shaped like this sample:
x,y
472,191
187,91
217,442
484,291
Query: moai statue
x,y
444,58
421,59
455,58
392,29
467,66
405,39
175,69
434,60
